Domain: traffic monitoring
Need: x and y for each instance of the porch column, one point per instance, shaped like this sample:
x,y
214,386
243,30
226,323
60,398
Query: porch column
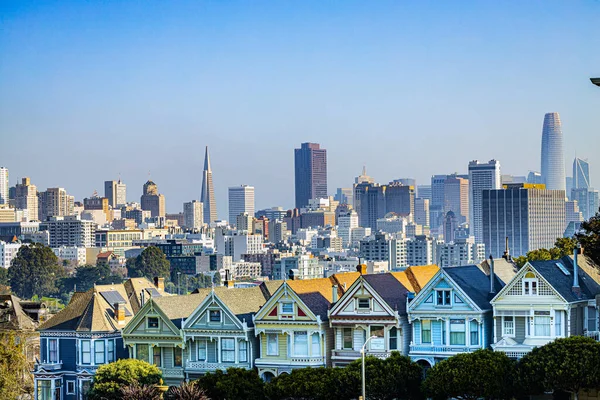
x,y
52,388
236,344
495,329
218,350
447,322
291,349
35,383
468,332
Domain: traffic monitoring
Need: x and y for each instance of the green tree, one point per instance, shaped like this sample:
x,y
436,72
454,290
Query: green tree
x,y
15,377
562,247
86,276
4,277
482,374
315,384
35,271
151,263
566,365
217,279
566,246
110,378
235,384
590,238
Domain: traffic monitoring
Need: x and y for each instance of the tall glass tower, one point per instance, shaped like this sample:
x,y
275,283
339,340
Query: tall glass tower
x,y
208,192
581,174
553,163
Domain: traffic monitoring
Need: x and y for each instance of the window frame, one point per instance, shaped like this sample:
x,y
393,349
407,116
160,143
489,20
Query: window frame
x,y
298,343
148,326
474,324
315,345
283,304
229,351
67,387
110,351
216,313
243,351
537,325
531,286
344,331
99,343
393,336
176,356
202,345
510,332
423,330
55,351
84,352
275,342
445,295
137,353
156,353
453,342
358,303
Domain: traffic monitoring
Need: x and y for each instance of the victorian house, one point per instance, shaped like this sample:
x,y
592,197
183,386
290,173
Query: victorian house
x,y
452,313
544,301
85,335
374,308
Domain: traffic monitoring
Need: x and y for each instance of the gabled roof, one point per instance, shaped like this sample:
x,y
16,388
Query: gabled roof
x,y
134,288
96,317
562,283
474,283
18,320
390,290
316,294
505,270
421,274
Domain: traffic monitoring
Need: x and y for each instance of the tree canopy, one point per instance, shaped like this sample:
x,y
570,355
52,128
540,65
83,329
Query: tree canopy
x,y
235,384
562,247
15,378
151,263
589,238
86,276
482,374
35,271
110,378
567,365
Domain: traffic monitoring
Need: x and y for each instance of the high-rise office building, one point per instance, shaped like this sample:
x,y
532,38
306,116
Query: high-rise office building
x,y
534,177
26,198
587,200
310,173
344,196
208,192
3,185
152,201
581,174
421,212
241,200
192,214
530,216
400,199
481,176
424,192
55,202
553,162
456,197
369,203
116,193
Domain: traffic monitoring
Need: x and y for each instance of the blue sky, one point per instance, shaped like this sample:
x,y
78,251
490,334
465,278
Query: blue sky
x,y
90,90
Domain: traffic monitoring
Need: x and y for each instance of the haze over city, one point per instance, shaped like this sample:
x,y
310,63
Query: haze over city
x,y
94,91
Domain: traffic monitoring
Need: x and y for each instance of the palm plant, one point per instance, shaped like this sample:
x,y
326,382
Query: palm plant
x,y
135,391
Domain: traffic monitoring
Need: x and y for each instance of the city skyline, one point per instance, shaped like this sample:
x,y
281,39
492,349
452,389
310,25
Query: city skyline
x,y
262,79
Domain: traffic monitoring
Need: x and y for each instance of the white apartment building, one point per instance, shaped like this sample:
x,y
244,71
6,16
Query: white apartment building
x,y
71,253
305,235
3,185
398,256
421,212
8,251
245,269
345,225
392,224
303,266
235,243
193,214
358,234
71,231
241,200
461,252
421,251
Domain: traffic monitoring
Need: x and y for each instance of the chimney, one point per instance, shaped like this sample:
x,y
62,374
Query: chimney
x,y
506,254
576,269
362,268
492,280
159,283
334,290
143,297
119,312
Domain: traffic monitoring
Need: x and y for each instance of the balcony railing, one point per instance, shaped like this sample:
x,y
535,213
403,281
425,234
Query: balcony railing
x,y
427,348
353,355
172,372
50,366
212,366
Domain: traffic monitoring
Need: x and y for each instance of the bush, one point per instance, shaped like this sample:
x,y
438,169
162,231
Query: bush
x,y
235,384
110,378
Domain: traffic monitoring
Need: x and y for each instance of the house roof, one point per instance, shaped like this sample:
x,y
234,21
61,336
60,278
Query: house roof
x,y
134,288
105,254
419,275
91,311
18,320
562,283
505,270
389,288
475,283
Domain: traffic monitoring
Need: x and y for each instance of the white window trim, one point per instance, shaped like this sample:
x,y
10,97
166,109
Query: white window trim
x,y
276,344
91,352
513,327
537,286
94,351
281,307
67,387
358,299
48,351
201,341
220,317
436,298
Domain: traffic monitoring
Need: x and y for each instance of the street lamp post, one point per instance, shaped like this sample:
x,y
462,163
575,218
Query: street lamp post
x,y
178,283
362,351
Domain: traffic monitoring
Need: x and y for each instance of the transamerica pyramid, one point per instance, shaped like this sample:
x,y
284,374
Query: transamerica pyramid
x,y
208,192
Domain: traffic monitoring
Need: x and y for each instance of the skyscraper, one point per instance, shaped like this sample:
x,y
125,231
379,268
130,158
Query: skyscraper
x,y
192,214
152,201
208,192
456,197
116,193
241,200
481,176
581,174
310,164
26,198
3,185
553,162
54,202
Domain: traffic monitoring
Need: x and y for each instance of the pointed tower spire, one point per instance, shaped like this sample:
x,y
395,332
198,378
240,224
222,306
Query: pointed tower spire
x,y
208,192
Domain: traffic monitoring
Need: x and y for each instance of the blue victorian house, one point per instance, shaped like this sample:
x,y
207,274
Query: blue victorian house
x,y
452,314
85,335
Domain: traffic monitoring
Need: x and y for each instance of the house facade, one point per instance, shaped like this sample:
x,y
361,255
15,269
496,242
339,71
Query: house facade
x,y
544,301
452,314
83,336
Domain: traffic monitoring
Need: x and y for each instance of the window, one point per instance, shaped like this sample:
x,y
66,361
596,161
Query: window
x,y
443,297
426,331
591,319
70,387
287,308
44,390
177,356
214,315
156,356
110,351
364,304
393,338
315,345
508,326
558,323
272,344
300,344
86,352
530,284
541,325
474,333
141,352
99,352
202,350
443,332
347,338
243,351
52,350
457,332
228,350
152,322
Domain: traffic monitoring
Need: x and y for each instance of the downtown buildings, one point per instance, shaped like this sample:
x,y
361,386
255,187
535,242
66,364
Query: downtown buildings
x,y
481,176
553,162
241,200
208,192
310,166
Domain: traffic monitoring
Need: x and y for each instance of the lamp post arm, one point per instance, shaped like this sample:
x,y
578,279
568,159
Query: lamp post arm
x,y
362,351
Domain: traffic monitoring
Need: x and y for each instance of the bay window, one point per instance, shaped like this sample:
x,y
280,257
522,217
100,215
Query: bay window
x,y
243,351
272,344
53,351
86,352
426,331
201,350
300,344
457,332
315,345
228,350
99,352
541,325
